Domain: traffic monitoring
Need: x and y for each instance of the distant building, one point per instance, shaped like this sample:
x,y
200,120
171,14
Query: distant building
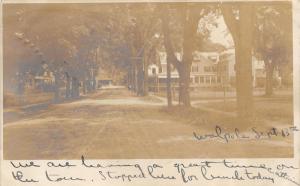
x,y
226,67
203,70
46,78
43,80
208,69
103,78
157,72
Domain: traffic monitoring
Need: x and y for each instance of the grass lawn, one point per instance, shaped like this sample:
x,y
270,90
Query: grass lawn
x,y
275,109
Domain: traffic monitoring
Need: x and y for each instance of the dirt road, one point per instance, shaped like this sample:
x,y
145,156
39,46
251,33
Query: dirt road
x,y
116,124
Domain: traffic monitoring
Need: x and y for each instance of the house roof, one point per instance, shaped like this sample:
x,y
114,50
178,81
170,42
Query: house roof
x,y
209,46
163,57
197,56
203,56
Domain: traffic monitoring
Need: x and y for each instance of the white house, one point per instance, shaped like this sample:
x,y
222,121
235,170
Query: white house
x,y
203,70
208,69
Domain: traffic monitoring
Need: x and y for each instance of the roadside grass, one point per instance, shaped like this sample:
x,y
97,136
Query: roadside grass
x,y
264,109
206,120
11,100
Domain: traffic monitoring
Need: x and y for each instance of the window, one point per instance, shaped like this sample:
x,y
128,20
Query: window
x,y
213,58
214,69
219,79
160,70
197,79
222,68
213,79
191,80
210,69
201,79
154,71
207,79
195,68
206,69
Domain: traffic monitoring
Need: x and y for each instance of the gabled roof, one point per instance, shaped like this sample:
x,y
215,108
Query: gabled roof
x,y
163,57
197,56
203,56
202,59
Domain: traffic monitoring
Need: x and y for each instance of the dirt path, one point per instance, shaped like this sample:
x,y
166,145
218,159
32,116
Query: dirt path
x,y
116,124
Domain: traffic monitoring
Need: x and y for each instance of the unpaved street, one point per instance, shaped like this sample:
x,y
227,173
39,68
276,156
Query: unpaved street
x,y
116,124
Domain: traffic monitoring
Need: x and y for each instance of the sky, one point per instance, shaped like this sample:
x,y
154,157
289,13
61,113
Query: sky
x,y
221,34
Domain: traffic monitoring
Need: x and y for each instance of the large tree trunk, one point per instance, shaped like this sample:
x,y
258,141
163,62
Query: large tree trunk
x,y
132,70
269,78
170,58
242,31
184,85
244,61
244,83
135,77
140,78
191,16
146,87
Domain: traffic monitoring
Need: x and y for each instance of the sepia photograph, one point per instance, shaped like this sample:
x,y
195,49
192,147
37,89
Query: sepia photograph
x,y
148,80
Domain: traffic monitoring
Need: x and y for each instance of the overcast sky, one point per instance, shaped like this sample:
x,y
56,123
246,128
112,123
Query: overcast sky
x,y
221,34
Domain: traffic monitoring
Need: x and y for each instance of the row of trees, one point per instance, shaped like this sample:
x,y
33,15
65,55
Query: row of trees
x,y
263,30
73,46
74,41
